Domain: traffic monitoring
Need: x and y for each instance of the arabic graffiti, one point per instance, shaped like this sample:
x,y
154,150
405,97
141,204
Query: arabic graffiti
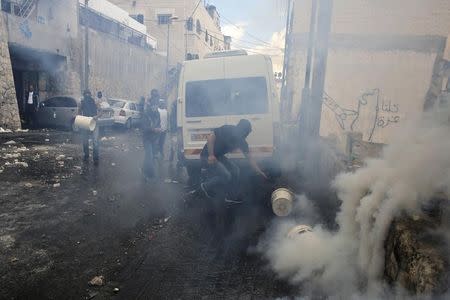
x,y
379,113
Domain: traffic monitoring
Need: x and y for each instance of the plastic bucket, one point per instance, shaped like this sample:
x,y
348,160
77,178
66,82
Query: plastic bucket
x,y
86,123
282,202
298,230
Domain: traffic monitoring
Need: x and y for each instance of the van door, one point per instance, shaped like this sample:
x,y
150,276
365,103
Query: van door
x,y
204,105
250,98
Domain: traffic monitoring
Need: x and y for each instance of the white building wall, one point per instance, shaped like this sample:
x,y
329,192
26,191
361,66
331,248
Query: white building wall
x,y
380,62
183,9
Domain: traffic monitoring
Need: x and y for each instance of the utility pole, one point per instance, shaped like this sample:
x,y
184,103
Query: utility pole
x,y
166,90
86,46
311,107
320,66
284,93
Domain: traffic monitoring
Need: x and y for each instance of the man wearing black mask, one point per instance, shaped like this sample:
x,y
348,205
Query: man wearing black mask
x,y
225,174
89,109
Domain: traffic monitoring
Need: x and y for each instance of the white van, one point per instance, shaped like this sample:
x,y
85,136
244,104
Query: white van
x,y
221,89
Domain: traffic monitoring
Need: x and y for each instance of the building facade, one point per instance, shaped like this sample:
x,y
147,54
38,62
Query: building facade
x,y
384,63
190,28
42,44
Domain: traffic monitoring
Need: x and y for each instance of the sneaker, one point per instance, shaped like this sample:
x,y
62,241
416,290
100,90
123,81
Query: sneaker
x,y
203,188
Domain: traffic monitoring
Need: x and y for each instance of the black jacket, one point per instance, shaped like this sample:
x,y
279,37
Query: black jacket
x,y
88,107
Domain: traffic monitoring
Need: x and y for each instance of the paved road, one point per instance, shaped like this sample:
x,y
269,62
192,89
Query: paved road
x,y
63,222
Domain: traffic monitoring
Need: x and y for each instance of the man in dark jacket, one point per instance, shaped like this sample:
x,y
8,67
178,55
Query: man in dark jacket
x,y
151,129
224,173
32,102
89,109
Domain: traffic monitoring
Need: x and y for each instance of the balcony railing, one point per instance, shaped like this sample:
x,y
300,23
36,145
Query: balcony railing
x,y
102,23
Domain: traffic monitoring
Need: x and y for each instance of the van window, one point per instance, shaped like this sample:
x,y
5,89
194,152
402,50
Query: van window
x,y
220,97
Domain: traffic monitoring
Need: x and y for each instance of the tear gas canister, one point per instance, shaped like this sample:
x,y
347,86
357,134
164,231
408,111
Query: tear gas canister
x,y
282,202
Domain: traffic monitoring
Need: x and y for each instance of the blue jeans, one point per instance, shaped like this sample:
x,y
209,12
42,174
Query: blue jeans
x,y
94,135
223,177
150,151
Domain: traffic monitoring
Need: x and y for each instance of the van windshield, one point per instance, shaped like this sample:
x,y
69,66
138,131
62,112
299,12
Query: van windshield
x,y
220,97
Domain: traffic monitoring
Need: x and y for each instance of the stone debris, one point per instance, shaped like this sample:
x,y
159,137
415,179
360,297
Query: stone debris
x,y
47,140
11,142
113,164
22,130
5,130
97,281
104,139
116,290
60,157
55,185
21,164
12,155
28,185
94,193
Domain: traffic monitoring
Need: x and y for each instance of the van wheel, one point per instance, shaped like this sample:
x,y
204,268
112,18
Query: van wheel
x,y
128,124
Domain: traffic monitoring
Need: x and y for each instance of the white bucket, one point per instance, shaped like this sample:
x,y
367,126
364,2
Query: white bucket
x,y
298,230
282,202
87,123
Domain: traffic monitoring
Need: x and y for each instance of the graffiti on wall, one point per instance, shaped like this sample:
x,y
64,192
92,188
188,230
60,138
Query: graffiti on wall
x,y
379,113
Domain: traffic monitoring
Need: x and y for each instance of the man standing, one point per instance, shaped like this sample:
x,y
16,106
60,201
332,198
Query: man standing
x,y
224,173
162,109
31,106
89,109
151,128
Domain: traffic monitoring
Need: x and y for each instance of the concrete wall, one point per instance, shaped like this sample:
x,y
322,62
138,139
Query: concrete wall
x,y
9,111
380,65
120,69
182,9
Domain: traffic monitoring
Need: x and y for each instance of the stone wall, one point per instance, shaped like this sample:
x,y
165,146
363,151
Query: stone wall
x,y
9,111
119,69
381,62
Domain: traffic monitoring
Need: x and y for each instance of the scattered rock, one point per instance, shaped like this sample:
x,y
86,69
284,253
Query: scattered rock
x,y
22,130
11,142
94,193
21,163
56,185
113,164
13,260
47,140
4,130
60,157
28,185
116,290
91,295
97,281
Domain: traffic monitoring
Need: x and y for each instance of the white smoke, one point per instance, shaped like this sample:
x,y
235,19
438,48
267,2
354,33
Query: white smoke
x,y
349,263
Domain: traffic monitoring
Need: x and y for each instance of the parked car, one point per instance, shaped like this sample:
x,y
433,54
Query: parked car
x,y
126,112
60,111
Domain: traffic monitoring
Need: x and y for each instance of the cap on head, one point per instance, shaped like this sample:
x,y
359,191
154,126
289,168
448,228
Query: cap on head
x,y
244,127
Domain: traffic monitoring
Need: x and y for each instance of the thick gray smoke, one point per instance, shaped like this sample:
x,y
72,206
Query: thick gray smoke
x,y
349,262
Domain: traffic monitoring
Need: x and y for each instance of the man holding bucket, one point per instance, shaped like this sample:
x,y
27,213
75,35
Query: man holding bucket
x,y
89,109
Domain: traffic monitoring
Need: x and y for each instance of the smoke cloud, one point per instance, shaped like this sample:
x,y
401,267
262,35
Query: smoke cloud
x,y
349,262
